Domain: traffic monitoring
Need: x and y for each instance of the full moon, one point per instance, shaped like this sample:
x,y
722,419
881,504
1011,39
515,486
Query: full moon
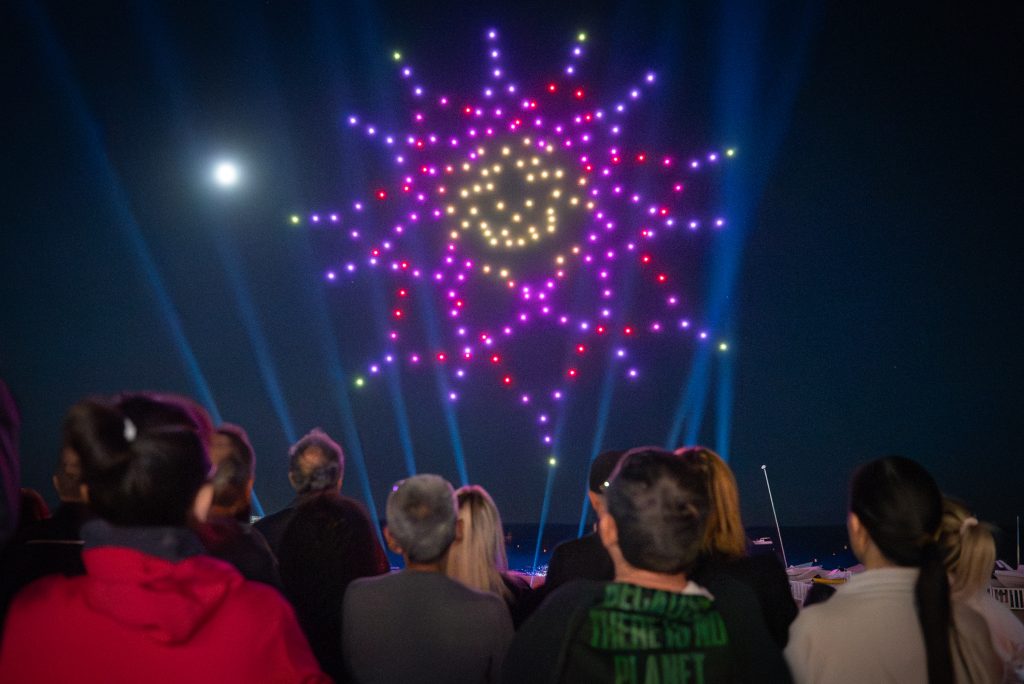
x,y
225,174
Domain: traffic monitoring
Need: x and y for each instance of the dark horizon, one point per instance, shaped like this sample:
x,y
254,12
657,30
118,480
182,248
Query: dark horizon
x,y
868,290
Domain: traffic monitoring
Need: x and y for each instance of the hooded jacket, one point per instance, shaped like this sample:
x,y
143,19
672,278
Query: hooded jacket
x,y
149,609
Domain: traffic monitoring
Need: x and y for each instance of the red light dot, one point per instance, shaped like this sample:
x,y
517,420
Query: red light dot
x,y
572,372
375,252
507,379
404,265
402,293
600,330
588,168
382,194
552,88
616,159
628,330
579,93
419,144
441,356
495,359
662,277
663,211
459,303
645,259
641,157
580,348
588,117
398,313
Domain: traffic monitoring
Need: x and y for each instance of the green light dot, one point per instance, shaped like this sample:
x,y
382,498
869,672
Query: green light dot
x,y
552,461
294,219
360,382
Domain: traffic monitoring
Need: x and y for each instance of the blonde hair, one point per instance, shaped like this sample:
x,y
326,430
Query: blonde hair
x,y
968,547
478,559
724,534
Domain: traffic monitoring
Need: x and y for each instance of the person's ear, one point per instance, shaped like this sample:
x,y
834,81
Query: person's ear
x,y
858,534
291,480
83,491
597,503
391,541
202,503
608,531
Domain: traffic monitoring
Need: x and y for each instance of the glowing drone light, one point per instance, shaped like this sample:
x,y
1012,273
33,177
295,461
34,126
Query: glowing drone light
x,y
541,192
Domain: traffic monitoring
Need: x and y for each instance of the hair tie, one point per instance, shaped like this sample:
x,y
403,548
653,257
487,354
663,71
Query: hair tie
x,y
129,430
968,522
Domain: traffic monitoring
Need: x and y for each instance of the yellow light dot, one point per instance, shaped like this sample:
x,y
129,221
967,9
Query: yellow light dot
x,y
574,201
295,219
528,202
535,161
464,193
476,188
543,174
559,173
723,347
483,225
466,166
505,151
508,243
396,55
465,224
450,209
494,242
551,229
556,193
504,232
559,259
516,218
730,152
485,173
582,37
454,235
576,249
503,273
500,206
520,163
529,178
552,461
521,242
536,236
532,229
486,268
496,168
473,211
489,186
359,381
550,148
551,210
481,151
526,141
583,181
551,219
590,205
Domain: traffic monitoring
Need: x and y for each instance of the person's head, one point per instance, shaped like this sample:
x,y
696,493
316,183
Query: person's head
x,y
477,557
656,507
158,408
421,514
33,506
232,441
724,534
600,471
139,470
315,463
968,548
894,518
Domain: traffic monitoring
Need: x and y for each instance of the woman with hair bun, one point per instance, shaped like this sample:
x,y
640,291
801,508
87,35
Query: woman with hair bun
x,y
969,551
151,607
894,622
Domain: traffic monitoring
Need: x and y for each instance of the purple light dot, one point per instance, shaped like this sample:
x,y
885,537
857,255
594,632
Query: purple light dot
x,y
460,373
374,369
713,157
655,327
407,72
633,373
673,300
547,439
684,324
334,218
569,70
577,51
452,396
351,268
331,275
315,218
620,108
352,121
415,358
719,223
461,332
703,335
584,326
543,418
650,77
389,140
507,330
525,399
389,358
621,353
694,164
557,394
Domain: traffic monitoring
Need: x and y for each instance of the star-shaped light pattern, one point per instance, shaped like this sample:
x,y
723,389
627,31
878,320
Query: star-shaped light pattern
x,y
532,210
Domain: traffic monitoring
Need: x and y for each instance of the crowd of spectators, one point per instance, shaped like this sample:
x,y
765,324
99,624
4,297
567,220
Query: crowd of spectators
x,y
150,570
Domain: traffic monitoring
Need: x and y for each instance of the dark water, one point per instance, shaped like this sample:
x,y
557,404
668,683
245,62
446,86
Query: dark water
x,y
824,545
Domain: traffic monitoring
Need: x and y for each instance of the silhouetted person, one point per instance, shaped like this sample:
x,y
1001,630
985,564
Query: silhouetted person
x,y
227,533
418,625
586,557
329,542
10,468
316,464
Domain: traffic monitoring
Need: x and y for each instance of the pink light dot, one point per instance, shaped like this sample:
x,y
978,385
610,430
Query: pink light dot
x,y
331,275
703,335
542,418
374,369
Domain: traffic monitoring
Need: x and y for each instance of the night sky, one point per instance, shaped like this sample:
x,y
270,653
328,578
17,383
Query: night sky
x,y
869,282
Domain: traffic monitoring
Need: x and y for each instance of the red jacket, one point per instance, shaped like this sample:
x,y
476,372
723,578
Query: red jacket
x,y
138,618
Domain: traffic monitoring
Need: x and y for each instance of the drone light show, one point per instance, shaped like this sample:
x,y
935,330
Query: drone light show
x,y
552,241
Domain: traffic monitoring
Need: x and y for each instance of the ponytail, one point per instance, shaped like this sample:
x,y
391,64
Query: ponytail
x,y
931,595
